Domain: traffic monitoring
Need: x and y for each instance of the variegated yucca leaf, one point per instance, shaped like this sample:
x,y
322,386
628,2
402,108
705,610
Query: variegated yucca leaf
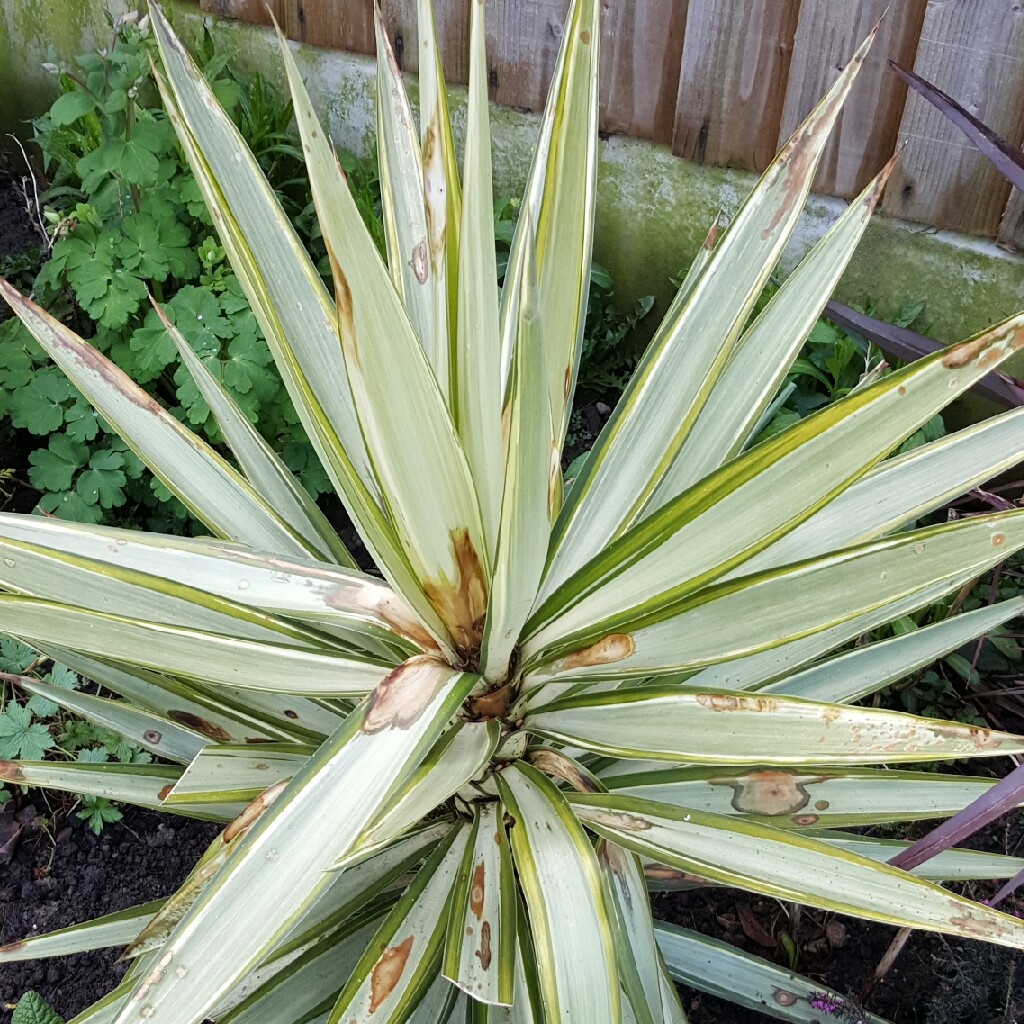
x,y
445,788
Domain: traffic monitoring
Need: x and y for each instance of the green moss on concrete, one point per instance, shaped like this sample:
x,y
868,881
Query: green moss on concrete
x,y
653,209
34,31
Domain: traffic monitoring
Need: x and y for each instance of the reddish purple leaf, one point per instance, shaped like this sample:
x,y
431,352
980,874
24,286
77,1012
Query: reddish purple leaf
x,y
1004,796
1004,157
907,345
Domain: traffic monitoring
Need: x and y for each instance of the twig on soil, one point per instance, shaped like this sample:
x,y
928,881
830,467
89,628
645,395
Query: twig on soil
x,y
33,207
884,965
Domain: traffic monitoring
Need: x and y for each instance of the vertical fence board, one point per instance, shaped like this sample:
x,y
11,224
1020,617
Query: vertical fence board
x,y
254,11
1011,229
641,50
826,37
726,83
452,20
736,60
974,51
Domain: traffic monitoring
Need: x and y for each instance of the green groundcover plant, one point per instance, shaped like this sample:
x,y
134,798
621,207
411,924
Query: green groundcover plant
x,y
447,789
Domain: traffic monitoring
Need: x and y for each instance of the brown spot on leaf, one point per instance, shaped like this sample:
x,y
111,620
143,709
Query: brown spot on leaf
x,y
387,972
165,792
618,820
784,998
418,262
401,696
768,792
200,725
901,391
253,812
968,352
804,820
288,713
10,771
821,805
12,947
670,876
585,37
998,539
343,306
608,650
978,928
731,702
462,603
484,952
476,891
152,736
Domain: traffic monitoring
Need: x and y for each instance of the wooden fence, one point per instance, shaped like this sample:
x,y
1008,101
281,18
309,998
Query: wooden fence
x,y
726,81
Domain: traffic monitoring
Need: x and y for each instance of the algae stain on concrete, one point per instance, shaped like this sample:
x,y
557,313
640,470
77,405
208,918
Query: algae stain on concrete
x,y
34,31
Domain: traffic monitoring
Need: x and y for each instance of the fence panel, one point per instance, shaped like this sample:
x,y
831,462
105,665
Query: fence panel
x,y
974,51
725,82
865,137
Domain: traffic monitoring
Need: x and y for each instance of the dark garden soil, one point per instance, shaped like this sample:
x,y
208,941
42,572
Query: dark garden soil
x,y
16,231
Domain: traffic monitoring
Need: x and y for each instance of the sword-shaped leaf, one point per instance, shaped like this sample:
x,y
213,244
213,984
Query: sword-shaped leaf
x,y
477,392
221,714
765,352
411,439
794,798
155,733
401,192
401,961
237,773
442,197
678,723
784,604
750,671
143,785
790,866
532,480
462,753
279,279
722,970
281,864
561,880
951,865
900,490
207,486
288,299
480,950
864,670
558,208
360,609
117,929
263,467
709,530
689,351
109,585
213,657
636,953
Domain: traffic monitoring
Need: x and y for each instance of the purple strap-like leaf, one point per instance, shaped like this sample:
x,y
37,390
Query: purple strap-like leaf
x,y
1007,890
1004,157
907,345
1004,796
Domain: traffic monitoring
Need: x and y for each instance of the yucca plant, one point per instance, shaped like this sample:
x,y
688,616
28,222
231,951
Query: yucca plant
x,y
449,789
